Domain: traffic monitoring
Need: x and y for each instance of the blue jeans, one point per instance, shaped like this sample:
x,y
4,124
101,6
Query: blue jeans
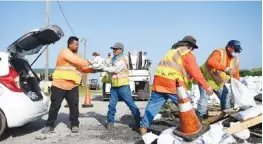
x,y
125,93
222,94
154,105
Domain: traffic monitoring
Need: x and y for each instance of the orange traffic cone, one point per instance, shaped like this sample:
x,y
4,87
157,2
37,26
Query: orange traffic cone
x,y
87,100
190,126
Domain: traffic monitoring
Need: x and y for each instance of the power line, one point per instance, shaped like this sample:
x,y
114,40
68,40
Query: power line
x,y
65,18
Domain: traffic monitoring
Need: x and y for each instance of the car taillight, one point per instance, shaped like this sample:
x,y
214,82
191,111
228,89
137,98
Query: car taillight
x,y
11,81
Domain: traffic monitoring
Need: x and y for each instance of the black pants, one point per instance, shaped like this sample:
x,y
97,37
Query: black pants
x,y
72,98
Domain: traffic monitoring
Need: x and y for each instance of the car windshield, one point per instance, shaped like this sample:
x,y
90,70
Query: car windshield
x,y
93,80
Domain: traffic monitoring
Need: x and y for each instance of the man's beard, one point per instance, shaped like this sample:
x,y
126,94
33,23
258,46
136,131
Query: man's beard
x,y
74,51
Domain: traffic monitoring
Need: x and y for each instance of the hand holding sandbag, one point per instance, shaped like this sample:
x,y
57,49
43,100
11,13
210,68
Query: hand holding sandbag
x,y
229,71
209,91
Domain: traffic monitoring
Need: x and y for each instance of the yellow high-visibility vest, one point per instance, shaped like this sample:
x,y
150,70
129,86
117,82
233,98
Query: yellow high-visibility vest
x,y
171,68
216,78
67,71
121,78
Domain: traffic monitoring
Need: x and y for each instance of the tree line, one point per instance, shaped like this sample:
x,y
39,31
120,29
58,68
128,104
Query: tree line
x,y
252,72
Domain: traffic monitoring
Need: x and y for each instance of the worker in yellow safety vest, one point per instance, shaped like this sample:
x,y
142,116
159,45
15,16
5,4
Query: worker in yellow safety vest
x,y
217,70
178,63
66,79
120,88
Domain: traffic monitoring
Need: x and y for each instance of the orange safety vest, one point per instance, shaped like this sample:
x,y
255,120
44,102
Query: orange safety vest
x,y
67,71
171,68
216,78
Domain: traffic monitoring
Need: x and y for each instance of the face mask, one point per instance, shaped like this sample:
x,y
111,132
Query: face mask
x,y
233,54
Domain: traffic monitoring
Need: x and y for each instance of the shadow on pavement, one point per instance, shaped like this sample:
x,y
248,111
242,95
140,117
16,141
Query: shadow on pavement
x,y
23,130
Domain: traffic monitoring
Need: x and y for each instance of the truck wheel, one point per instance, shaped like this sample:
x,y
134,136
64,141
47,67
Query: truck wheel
x,y
2,122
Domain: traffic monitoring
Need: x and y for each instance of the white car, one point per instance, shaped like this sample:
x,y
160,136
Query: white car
x,y
21,100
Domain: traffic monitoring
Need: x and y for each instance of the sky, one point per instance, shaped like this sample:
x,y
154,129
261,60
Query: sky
x,y
149,26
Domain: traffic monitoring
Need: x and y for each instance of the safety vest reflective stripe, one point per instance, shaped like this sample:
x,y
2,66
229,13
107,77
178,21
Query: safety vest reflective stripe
x,y
214,74
67,71
174,66
70,68
217,75
122,75
171,68
216,78
234,63
121,78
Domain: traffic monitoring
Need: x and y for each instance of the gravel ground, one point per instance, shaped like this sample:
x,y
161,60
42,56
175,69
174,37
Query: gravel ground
x,y
92,127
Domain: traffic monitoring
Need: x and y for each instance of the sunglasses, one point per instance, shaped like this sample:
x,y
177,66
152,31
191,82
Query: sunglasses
x,y
116,48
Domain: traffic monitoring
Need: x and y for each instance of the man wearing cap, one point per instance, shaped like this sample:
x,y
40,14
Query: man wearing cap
x,y
217,70
178,63
97,61
108,59
119,73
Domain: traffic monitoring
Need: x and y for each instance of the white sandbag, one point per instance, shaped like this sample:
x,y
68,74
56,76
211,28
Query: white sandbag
x,y
249,113
215,135
167,137
244,134
149,137
242,97
227,139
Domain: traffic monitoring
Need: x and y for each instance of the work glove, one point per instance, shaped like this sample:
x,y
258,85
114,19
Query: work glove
x,y
229,71
209,91
98,70
97,66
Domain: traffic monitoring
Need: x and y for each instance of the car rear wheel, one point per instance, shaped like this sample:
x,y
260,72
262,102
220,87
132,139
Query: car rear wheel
x,y
2,122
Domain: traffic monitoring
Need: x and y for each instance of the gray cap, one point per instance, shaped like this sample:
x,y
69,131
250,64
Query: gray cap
x,y
118,45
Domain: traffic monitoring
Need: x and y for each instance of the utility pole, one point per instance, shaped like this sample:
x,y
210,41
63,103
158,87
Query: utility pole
x,y
47,56
84,56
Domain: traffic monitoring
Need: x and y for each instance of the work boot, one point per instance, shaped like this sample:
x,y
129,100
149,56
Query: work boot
x,y
110,126
142,130
199,116
202,118
47,129
75,129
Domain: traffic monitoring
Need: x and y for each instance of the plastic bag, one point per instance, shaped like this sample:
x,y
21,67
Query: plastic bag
x,y
241,95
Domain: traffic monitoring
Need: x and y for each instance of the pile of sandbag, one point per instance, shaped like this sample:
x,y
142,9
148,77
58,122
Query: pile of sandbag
x,y
194,96
254,84
215,135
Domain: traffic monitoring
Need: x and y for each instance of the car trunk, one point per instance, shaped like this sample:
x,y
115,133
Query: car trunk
x,y
30,44
28,80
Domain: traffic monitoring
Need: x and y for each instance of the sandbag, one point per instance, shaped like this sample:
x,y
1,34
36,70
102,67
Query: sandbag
x,y
241,95
248,113
244,134
149,137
